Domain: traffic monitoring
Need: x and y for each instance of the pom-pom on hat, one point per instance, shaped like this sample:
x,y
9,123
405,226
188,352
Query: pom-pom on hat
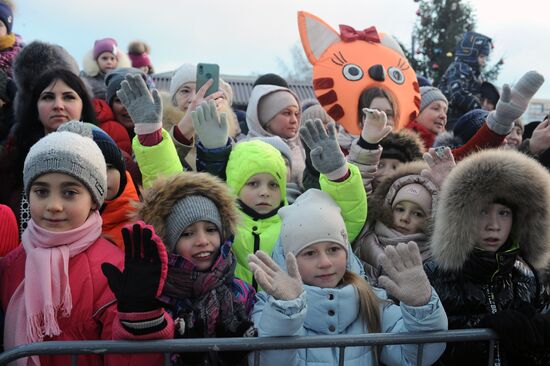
x,y
430,94
313,218
71,154
105,45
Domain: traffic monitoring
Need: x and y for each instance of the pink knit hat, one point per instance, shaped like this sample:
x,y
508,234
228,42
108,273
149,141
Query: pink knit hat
x,y
140,60
105,45
9,233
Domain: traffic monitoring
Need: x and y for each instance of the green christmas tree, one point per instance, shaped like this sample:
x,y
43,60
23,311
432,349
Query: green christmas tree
x,y
438,28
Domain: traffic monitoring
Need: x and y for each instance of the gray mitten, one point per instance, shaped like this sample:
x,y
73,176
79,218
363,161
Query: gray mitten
x,y
513,102
326,155
272,279
405,278
144,107
210,129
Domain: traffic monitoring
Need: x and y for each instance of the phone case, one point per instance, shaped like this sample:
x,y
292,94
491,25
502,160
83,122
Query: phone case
x,y
206,72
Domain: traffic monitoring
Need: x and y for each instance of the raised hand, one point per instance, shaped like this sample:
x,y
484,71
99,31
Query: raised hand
x,y
144,107
326,155
376,126
405,278
513,102
273,280
145,268
440,161
210,128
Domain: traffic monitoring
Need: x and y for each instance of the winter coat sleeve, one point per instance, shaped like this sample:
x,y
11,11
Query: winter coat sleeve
x,y
460,79
213,161
403,318
350,196
157,160
182,149
484,138
367,161
278,318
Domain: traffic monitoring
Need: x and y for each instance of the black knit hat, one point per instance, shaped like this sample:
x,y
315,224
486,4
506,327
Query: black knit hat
x,y
469,123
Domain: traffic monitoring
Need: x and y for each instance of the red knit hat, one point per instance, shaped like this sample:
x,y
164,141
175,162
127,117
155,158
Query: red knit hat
x,y
9,233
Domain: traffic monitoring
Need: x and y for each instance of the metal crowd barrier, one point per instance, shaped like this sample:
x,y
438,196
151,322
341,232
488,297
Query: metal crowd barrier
x,y
167,347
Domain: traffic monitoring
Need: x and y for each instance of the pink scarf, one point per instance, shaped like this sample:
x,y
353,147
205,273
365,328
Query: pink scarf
x,y
44,294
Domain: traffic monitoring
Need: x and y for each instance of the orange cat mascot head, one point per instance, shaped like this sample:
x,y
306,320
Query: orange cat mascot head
x,y
345,65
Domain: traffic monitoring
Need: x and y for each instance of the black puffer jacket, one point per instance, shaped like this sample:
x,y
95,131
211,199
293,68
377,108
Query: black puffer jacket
x,y
473,283
489,282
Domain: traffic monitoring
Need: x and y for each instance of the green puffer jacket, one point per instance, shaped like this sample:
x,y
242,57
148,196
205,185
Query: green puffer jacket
x,y
158,160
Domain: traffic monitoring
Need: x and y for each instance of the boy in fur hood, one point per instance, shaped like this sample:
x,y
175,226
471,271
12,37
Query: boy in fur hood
x,y
490,238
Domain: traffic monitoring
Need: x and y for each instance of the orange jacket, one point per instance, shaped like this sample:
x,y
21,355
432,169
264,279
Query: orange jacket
x,y
116,213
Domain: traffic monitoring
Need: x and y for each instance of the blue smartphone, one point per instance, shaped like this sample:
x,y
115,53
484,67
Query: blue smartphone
x,y
206,72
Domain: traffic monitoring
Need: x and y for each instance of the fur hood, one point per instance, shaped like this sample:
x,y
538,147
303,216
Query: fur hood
x,y
405,141
380,201
91,68
484,178
165,193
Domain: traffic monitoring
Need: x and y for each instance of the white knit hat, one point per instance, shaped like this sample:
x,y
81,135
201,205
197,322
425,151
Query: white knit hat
x,y
186,73
71,154
313,218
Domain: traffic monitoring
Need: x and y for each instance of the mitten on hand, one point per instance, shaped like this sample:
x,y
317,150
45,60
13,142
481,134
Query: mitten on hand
x,y
272,279
145,268
513,102
210,128
326,156
375,127
440,161
524,329
144,107
405,278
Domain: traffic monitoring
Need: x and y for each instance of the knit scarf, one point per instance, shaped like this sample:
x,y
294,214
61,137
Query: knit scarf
x,y
45,294
388,236
208,294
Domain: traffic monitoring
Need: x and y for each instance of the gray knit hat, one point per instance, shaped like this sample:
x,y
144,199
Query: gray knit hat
x,y
186,212
429,94
71,154
313,218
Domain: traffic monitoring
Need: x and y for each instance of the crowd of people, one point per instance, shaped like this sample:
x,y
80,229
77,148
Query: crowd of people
x,y
132,214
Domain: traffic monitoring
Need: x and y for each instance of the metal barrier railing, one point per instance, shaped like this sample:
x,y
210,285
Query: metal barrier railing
x,y
167,347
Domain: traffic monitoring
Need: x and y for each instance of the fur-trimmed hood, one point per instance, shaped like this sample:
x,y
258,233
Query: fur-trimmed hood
x,y
481,179
380,201
165,193
406,142
91,68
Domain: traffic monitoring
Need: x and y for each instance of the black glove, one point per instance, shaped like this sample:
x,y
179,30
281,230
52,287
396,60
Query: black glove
x,y
522,330
145,268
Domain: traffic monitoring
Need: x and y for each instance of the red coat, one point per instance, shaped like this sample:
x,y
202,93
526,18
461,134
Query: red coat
x,y
484,138
94,313
107,123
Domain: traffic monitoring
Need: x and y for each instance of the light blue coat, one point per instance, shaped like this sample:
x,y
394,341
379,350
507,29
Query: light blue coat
x,y
308,315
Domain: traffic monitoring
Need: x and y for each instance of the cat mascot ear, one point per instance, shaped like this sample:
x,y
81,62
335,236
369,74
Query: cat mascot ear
x,y
348,63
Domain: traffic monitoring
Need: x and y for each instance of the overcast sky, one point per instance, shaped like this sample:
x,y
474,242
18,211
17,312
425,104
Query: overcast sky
x,y
250,36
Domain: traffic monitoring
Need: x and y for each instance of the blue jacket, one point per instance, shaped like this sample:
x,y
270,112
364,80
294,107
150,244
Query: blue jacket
x,y
327,311
461,83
